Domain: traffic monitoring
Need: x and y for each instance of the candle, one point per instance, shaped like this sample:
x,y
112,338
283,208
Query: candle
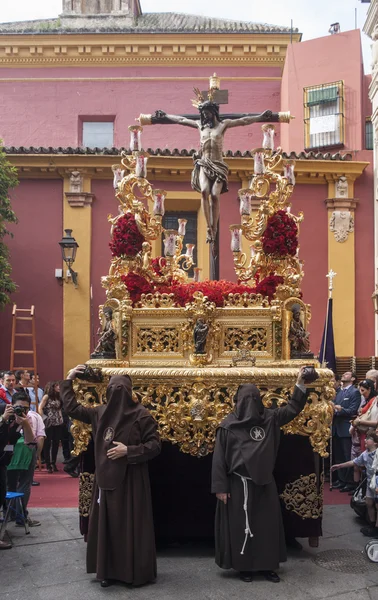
x,y
288,210
245,202
236,238
197,274
297,253
117,175
189,250
159,197
268,139
135,137
170,242
253,251
141,164
289,171
182,226
258,160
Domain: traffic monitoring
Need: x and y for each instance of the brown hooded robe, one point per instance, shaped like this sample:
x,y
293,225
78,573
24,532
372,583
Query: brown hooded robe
x,y
121,541
249,533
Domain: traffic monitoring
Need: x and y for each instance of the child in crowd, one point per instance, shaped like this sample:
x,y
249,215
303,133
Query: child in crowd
x,y
365,461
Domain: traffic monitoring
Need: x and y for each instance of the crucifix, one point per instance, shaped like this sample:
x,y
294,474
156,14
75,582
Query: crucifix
x,y
210,173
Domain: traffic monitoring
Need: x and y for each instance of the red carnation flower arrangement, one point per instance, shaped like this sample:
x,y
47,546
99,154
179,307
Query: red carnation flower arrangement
x,y
126,239
216,291
136,286
280,237
268,286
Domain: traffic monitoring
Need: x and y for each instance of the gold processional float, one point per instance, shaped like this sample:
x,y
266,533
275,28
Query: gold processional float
x,y
187,344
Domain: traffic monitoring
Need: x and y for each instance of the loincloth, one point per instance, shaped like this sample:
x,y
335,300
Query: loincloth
x,y
214,170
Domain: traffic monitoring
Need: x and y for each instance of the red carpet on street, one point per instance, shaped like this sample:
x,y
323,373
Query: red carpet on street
x,y
59,490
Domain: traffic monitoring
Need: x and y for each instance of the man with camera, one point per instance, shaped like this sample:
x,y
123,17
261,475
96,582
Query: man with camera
x,y
26,451
12,420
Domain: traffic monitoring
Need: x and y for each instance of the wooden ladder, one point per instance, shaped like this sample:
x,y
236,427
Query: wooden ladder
x,y
24,314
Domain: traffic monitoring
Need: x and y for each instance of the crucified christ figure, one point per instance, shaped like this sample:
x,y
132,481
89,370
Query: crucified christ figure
x,y
210,173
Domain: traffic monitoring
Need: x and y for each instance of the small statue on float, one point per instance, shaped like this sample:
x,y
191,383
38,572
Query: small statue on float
x,y
106,344
299,338
201,329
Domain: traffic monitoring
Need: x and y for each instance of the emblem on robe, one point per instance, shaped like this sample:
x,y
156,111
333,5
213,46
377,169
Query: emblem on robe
x,y
109,434
257,434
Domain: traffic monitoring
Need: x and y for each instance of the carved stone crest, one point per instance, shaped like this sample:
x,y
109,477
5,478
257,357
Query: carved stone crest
x,y
341,188
341,224
76,182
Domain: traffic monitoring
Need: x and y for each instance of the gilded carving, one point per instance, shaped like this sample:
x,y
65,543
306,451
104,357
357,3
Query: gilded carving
x,y
157,339
86,481
254,338
304,498
188,414
89,395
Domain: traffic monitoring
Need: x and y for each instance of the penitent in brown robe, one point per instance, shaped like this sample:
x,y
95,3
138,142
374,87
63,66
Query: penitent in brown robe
x,y
121,541
249,534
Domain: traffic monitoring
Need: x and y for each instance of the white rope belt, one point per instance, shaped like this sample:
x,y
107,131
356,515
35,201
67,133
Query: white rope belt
x,y
247,529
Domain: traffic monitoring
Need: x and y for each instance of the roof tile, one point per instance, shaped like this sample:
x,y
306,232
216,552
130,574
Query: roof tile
x,y
149,23
166,152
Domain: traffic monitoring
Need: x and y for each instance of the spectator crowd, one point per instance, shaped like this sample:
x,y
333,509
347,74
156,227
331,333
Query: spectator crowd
x,y
32,427
354,456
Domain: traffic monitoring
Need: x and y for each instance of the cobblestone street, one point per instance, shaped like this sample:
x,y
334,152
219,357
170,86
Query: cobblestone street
x,y
50,564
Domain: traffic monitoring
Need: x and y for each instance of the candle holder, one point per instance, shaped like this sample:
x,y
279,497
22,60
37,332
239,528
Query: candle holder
x,y
182,227
274,191
118,175
236,238
245,202
258,162
268,138
170,236
141,159
159,199
189,250
135,137
197,274
289,166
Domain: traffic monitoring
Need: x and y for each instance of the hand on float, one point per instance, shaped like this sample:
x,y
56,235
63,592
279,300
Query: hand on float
x,y
117,452
73,373
300,378
223,497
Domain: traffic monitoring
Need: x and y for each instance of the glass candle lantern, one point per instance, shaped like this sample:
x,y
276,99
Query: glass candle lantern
x,y
258,162
135,137
236,238
182,226
289,171
197,274
141,164
170,242
117,175
189,250
245,202
159,198
268,139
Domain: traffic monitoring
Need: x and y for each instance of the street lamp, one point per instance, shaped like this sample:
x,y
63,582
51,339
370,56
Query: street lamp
x,y
69,246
